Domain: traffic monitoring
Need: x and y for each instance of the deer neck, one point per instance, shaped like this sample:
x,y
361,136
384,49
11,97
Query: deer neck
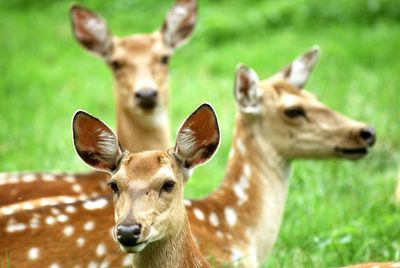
x,y
256,183
147,131
175,251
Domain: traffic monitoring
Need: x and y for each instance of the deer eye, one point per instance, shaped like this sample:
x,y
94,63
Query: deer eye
x,y
165,59
168,186
114,187
294,112
116,65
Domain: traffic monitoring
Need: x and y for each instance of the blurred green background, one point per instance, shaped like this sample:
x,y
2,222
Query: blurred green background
x,y
338,212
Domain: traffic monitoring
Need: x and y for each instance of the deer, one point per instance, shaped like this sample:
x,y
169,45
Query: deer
x,y
139,66
277,122
150,216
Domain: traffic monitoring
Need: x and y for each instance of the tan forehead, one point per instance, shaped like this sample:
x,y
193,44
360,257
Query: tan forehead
x,y
282,89
146,165
138,44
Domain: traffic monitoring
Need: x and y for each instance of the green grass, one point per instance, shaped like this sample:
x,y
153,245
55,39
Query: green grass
x,y
338,212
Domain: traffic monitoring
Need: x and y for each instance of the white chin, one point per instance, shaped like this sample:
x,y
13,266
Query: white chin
x,y
134,249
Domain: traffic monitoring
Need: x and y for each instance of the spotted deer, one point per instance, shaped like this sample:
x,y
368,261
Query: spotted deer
x,y
150,216
277,122
139,66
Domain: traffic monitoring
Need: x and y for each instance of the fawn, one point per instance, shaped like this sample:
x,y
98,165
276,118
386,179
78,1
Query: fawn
x,y
150,216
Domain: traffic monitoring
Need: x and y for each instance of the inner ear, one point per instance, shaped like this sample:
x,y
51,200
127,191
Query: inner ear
x,y
198,137
91,31
95,143
247,91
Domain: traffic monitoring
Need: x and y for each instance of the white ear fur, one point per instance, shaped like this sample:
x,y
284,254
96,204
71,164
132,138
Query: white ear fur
x,y
247,91
302,67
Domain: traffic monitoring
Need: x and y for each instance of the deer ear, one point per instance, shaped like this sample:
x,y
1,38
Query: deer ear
x,y
298,72
179,23
95,143
246,90
198,137
91,31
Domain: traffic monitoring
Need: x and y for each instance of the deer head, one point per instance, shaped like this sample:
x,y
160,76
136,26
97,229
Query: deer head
x,y
148,186
139,63
303,126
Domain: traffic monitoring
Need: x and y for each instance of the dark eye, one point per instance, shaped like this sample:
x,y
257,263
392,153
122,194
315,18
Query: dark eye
x,y
168,186
113,186
116,65
294,112
165,59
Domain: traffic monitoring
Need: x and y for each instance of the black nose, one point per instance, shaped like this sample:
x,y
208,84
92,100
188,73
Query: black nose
x,y
128,235
368,135
146,98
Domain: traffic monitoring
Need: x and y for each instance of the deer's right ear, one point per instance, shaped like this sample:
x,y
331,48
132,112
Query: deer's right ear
x,y
91,31
95,143
246,90
198,138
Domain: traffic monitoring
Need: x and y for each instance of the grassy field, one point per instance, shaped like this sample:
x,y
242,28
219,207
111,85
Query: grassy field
x,y
337,213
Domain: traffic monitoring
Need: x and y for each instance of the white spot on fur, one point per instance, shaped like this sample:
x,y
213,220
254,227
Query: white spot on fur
x,y
92,264
231,153
100,249
28,177
33,253
95,204
48,177
15,227
34,223
240,189
104,264
199,214
219,234
80,241
68,200
126,261
70,179
7,211
50,220
68,230
70,209
187,202
3,178
76,188
62,218
55,211
54,265
213,218
89,226
240,146
27,206
230,216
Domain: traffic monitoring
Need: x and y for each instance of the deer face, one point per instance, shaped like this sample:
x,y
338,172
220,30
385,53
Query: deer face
x,y
139,63
147,186
293,120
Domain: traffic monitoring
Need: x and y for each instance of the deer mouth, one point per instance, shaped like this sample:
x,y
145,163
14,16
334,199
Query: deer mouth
x,y
352,153
134,248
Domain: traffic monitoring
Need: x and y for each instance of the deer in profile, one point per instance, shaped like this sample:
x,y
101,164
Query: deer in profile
x,y
139,66
150,216
277,122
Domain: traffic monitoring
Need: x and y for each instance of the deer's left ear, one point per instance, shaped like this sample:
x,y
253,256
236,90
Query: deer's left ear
x,y
198,137
95,143
246,90
298,72
179,23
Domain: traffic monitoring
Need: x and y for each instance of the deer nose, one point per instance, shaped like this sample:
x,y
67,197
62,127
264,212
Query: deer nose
x,y
146,98
128,235
368,135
